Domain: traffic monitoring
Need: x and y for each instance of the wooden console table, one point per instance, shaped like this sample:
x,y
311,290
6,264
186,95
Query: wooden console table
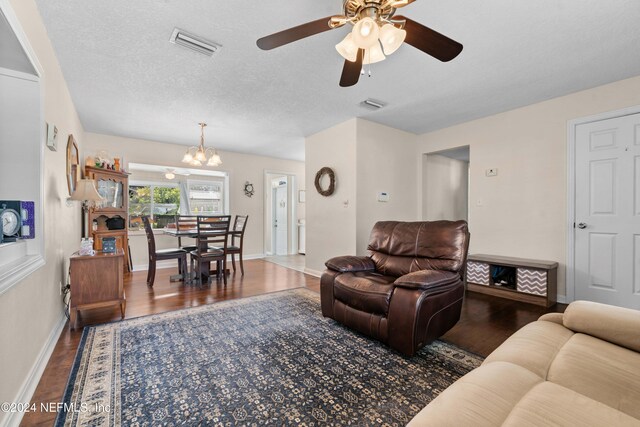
x,y
527,280
96,281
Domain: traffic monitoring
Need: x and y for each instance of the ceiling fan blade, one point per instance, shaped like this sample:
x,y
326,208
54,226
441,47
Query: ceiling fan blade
x,y
293,34
430,41
351,70
396,4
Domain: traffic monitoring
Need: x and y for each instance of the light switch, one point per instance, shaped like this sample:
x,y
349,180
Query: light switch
x,y
383,197
491,172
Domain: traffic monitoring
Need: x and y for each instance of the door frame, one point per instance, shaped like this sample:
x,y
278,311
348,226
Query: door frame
x,y
571,189
292,211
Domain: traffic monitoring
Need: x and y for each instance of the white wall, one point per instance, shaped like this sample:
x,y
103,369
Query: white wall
x,y
522,211
331,221
31,312
367,158
240,167
385,162
445,188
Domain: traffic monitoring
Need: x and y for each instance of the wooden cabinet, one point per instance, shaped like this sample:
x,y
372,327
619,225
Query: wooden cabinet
x,y
96,281
527,280
114,187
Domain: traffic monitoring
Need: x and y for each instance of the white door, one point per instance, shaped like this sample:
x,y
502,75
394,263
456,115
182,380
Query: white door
x,y
280,225
607,234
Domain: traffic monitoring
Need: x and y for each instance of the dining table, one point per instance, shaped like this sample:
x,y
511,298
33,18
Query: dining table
x,y
193,233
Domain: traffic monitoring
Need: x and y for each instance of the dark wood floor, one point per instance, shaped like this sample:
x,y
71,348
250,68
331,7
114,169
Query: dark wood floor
x,y
485,323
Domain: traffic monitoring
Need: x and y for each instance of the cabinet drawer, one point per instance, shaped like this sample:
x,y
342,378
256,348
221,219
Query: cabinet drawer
x,y
532,281
478,273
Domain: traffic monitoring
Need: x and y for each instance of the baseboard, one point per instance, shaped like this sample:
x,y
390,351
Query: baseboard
x,y
29,386
172,263
311,272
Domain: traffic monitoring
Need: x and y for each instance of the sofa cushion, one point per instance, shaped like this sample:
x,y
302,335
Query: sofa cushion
x,y
533,347
600,370
487,394
399,248
548,404
614,324
364,290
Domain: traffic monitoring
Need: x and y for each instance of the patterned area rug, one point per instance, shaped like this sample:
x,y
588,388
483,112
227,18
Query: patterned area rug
x,y
266,360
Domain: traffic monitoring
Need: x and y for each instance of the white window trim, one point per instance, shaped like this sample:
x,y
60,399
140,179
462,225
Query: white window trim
x,y
225,189
25,263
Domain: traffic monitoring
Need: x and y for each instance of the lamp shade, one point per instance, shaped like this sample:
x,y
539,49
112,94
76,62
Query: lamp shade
x,y
347,48
187,157
365,33
391,38
86,191
373,54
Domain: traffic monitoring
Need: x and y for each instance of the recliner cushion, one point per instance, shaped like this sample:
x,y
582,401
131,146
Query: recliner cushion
x,y
364,290
399,248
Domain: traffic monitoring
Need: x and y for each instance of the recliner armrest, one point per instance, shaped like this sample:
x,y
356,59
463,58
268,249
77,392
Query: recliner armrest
x,y
346,264
427,279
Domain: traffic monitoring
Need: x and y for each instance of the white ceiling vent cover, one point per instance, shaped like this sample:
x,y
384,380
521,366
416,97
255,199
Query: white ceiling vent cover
x,y
372,104
198,44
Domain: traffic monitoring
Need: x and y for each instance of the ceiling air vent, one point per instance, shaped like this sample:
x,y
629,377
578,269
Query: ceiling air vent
x,y
372,104
192,42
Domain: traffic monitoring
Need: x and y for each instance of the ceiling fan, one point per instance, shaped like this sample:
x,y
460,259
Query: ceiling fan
x,y
376,32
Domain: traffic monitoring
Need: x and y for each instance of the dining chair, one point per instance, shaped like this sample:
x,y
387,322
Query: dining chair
x,y
211,245
162,254
239,225
186,223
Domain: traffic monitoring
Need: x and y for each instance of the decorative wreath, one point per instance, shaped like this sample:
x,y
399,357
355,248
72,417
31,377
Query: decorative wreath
x,y
332,181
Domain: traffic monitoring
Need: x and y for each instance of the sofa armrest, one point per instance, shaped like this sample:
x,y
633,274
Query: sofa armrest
x,y
427,279
345,264
614,324
553,318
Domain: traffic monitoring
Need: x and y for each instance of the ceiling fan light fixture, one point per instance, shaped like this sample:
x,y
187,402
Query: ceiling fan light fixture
x,y
347,48
391,38
365,33
373,54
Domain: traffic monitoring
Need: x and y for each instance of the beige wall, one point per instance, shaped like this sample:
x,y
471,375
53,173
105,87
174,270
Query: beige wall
x,y
385,162
331,221
31,312
240,167
522,211
445,187
367,158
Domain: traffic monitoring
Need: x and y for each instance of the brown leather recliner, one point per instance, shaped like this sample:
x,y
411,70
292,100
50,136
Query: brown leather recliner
x,y
409,291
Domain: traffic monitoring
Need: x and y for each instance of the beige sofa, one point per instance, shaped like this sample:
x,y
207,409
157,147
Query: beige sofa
x,y
580,368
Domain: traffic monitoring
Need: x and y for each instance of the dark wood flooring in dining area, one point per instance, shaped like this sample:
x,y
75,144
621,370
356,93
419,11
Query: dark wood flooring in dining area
x,y
485,322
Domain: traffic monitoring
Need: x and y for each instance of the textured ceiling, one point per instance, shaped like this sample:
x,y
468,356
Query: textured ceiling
x,y
126,78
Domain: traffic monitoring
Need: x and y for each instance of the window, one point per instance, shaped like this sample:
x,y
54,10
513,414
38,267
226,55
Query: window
x,y
206,197
161,202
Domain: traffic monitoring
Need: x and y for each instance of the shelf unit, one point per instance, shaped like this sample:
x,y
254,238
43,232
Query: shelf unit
x,y
535,281
114,187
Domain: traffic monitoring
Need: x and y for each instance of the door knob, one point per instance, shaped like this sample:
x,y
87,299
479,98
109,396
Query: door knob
x,y
582,226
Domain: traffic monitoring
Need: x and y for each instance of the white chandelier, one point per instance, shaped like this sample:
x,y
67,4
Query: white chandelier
x,y
376,39
197,156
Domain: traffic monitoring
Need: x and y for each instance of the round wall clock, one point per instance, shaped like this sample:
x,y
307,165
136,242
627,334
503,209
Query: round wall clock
x,y
11,222
248,189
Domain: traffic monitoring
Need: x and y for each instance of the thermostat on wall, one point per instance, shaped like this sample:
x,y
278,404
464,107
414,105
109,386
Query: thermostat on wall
x,y
383,197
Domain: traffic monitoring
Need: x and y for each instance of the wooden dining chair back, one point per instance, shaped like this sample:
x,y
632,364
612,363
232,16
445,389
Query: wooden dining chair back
x,y
186,223
237,240
156,255
211,244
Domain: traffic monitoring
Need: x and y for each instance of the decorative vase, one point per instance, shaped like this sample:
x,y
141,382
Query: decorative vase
x,y
116,164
